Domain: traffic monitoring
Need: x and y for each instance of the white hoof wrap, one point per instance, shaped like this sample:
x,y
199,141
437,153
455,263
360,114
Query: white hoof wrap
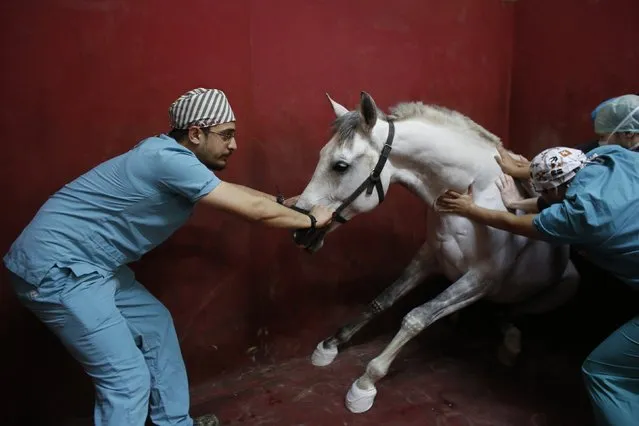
x,y
510,348
360,400
505,357
512,340
322,356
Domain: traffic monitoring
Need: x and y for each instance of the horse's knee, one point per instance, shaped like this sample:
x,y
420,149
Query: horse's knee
x,y
413,323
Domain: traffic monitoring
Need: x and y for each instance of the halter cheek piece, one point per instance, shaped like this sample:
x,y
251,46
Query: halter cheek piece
x,y
309,236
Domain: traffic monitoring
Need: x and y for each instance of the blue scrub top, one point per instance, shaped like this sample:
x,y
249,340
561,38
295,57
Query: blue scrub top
x,y
600,213
114,213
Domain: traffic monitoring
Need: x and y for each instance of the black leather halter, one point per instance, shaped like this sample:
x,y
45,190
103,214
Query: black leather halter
x,y
307,237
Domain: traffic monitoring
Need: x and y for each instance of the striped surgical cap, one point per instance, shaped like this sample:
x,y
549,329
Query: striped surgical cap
x,y
200,107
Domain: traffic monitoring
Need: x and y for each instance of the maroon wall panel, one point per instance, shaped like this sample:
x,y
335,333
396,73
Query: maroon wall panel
x,y
569,56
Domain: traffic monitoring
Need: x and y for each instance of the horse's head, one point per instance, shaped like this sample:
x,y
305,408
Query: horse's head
x,y
345,164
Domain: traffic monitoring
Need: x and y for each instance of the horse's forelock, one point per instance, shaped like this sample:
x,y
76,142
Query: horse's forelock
x,y
346,126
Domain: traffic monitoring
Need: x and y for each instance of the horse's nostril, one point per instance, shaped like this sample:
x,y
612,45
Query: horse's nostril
x,y
303,237
297,237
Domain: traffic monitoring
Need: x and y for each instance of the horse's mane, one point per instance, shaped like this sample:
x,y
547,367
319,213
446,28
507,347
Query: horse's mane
x,y
348,124
443,116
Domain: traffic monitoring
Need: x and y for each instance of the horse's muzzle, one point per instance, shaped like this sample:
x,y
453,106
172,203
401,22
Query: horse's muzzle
x,y
308,237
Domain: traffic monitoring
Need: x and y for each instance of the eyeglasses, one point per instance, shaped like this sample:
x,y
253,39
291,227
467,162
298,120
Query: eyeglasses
x,y
225,135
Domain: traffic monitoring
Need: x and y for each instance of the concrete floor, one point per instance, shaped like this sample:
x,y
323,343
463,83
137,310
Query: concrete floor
x,y
449,375
446,376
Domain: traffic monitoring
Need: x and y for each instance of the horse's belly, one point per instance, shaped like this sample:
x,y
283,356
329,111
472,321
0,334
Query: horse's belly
x,y
521,267
456,256
538,266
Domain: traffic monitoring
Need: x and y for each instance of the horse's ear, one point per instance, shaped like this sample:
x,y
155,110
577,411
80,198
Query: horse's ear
x,y
368,111
339,109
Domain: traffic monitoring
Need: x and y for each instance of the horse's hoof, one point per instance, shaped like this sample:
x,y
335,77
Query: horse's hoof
x,y
359,400
512,339
322,356
506,357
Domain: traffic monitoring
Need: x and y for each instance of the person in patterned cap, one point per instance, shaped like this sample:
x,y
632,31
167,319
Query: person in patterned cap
x,y
593,204
69,265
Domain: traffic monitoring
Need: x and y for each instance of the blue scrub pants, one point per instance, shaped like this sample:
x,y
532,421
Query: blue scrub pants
x,y
123,337
611,374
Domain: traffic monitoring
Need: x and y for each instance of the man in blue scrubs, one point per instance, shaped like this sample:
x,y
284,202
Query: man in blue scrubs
x,y
594,204
68,266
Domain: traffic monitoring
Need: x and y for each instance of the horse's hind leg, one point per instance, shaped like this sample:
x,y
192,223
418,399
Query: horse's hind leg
x,y
468,289
550,298
422,265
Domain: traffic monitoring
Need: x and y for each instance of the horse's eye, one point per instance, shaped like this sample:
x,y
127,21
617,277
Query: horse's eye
x,y
340,167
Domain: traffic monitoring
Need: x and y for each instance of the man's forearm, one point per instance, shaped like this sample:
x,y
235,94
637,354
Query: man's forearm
x,y
230,198
528,205
521,225
279,216
521,172
256,192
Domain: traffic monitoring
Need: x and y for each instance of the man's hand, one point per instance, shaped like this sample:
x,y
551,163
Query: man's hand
x,y
322,214
517,167
456,203
509,193
463,205
289,202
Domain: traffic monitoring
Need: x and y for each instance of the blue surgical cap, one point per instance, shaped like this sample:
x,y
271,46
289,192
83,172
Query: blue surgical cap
x,y
594,112
618,115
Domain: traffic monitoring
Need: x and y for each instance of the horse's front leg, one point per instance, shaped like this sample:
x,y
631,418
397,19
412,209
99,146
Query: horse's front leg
x,y
422,265
468,289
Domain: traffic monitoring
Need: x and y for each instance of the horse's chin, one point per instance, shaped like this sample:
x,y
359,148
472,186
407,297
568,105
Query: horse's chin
x,y
315,247
301,236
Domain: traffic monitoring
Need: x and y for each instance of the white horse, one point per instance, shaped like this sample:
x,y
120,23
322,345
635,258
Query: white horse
x,y
429,150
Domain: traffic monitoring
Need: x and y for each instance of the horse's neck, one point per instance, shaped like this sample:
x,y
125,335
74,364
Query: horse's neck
x,y
430,160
